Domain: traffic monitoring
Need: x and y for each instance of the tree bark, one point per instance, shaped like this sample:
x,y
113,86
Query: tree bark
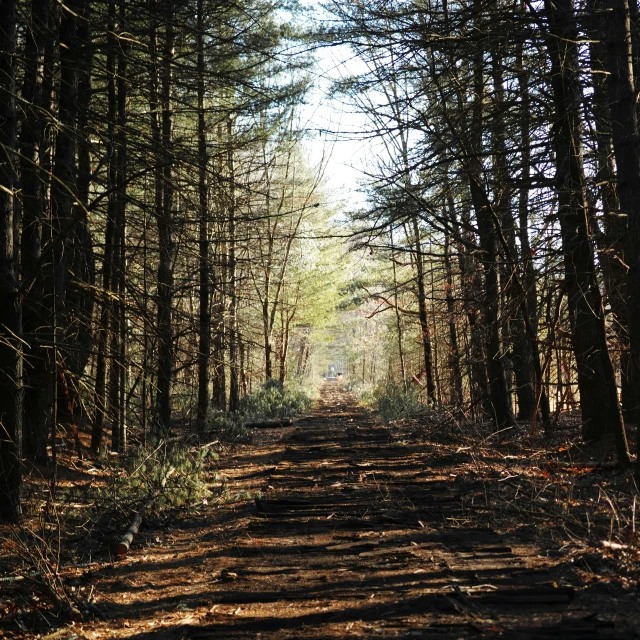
x,y
104,330
117,401
521,355
37,401
598,393
619,42
204,318
423,316
165,221
234,364
454,351
11,357
500,403
610,242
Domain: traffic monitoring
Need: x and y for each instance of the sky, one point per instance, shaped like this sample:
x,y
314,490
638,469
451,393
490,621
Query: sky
x,y
336,129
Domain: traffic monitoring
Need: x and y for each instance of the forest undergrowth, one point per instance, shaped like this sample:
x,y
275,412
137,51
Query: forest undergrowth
x,y
574,499
78,509
573,495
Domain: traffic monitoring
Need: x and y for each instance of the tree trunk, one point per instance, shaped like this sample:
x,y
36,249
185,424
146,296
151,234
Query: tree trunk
x,y
104,330
35,318
610,243
487,233
117,373
121,211
165,234
471,285
454,352
266,331
204,324
619,43
219,394
11,359
528,278
234,365
422,312
598,393
68,239
78,312
403,372
284,345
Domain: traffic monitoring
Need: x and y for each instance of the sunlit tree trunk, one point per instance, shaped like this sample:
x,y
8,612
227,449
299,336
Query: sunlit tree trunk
x,y
165,223
117,400
204,318
234,363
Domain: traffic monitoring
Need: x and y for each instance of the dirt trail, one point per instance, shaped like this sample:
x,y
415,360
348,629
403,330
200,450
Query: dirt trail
x,y
353,533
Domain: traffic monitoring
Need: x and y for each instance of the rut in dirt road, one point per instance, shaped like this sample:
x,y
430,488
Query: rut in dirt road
x,y
356,533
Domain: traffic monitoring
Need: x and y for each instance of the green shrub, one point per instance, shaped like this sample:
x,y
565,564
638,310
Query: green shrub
x,y
392,402
167,474
274,400
227,426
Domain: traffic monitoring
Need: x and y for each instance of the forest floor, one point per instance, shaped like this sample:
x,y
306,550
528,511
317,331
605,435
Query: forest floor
x,y
341,527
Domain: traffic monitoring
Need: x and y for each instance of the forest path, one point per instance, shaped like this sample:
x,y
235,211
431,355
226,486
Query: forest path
x,y
355,532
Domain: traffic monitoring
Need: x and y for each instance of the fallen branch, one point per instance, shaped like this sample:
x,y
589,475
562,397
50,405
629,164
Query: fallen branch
x,y
36,574
559,464
614,546
122,548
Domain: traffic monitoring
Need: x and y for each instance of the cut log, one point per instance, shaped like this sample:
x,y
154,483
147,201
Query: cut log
x,y
122,547
269,424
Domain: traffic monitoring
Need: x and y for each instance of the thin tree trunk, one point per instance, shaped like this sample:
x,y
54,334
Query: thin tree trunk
x,y
121,212
528,278
204,326
403,372
234,368
422,312
454,352
520,348
67,222
471,289
11,358
284,347
500,403
104,344
165,234
35,318
219,395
